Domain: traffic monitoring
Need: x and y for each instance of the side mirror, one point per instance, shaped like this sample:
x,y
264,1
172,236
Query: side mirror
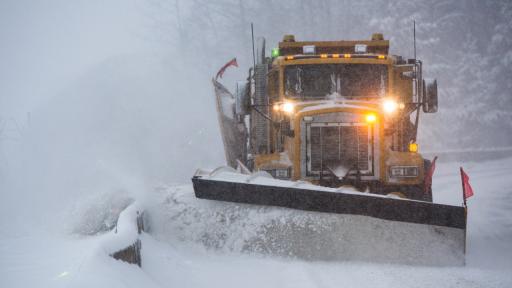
x,y
408,75
430,97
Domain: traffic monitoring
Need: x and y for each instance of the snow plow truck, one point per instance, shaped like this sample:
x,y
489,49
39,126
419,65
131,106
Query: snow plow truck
x,y
332,126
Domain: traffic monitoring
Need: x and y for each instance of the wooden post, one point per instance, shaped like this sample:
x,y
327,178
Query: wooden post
x,y
130,254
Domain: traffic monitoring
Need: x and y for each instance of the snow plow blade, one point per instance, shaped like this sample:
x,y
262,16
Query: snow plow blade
x,y
331,202
411,227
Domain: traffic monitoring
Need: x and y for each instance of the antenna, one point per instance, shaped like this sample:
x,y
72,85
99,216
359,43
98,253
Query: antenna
x,y
253,54
414,37
418,83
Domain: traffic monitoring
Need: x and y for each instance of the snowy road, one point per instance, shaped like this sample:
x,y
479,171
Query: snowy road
x,y
45,259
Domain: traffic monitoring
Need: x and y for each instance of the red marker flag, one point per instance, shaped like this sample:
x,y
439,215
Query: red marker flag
x,y
466,187
429,175
221,71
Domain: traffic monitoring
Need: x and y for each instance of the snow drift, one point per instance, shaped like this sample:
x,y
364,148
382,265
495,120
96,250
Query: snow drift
x,y
178,217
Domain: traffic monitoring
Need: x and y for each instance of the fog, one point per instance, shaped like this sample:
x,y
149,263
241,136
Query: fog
x,y
93,103
106,97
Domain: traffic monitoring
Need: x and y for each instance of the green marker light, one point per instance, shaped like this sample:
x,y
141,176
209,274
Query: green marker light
x,y
275,52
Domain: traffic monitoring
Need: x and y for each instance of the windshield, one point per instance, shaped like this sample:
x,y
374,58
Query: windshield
x,y
341,80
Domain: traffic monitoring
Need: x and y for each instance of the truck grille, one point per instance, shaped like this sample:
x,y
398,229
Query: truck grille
x,y
335,144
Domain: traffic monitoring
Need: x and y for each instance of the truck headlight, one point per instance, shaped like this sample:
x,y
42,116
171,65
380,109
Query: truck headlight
x,y
389,105
404,171
288,107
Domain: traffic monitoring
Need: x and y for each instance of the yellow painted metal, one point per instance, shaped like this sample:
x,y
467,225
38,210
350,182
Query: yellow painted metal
x,y
399,88
340,47
394,158
262,160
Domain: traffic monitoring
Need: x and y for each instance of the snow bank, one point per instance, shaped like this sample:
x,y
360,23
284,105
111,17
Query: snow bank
x,y
125,232
41,259
99,213
175,254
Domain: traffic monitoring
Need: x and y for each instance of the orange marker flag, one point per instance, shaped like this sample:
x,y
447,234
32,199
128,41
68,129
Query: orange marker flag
x,y
232,62
467,190
429,174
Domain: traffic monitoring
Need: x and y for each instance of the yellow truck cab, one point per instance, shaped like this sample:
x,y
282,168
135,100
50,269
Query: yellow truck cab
x,y
338,113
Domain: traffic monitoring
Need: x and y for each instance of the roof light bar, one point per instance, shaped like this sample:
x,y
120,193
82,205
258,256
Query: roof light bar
x,y
324,56
309,49
360,48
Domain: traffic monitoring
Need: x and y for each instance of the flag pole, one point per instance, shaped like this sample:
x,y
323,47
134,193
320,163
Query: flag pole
x,y
463,187
465,210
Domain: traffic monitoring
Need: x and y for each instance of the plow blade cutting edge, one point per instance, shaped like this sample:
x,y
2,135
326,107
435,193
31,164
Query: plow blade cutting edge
x,y
359,226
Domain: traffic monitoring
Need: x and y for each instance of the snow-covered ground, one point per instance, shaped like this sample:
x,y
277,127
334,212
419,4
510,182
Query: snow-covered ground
x,y
42,257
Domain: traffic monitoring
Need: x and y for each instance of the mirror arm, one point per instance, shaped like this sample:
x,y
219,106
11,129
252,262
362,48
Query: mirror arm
x,y
263,114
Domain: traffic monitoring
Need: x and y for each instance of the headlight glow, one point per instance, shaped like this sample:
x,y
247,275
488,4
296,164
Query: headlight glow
x,y
288,107
371,118
389,106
